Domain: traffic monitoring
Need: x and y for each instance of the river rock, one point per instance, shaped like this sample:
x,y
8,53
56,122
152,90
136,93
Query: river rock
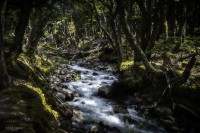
x,y
138,100
107,128
62,72
105,91
69,95
129,120
65,111
63,78
95,74
57,71
77,95
110,69
119,109
103,83
106,77
85,72
101,67
94,129
52,86
54,79
60,95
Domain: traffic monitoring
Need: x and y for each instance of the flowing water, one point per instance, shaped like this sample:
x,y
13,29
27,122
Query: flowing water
x,y
95,109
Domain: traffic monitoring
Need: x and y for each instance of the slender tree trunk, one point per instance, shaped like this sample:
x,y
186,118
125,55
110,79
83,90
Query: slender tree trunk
x,y
182,27
172,17
164,23
117,41
154,34
4,78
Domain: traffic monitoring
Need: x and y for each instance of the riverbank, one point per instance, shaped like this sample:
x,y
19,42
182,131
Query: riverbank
x,y
175,107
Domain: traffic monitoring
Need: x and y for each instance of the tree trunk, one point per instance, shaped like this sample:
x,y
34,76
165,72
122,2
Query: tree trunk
x,y
182,27
131,38
116,39
4,78
25,11
172,17
154,34
36,33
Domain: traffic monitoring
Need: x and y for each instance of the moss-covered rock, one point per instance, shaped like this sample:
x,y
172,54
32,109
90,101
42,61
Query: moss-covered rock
x,y
26,110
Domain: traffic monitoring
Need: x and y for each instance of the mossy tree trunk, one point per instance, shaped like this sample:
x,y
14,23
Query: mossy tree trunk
x,y
4,78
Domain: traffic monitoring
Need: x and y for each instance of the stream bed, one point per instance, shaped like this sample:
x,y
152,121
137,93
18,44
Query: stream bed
x,y
93,113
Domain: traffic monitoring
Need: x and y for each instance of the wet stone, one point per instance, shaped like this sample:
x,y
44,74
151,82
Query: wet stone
x,y
69,95
105,91
85,72
60,96
106,77
95,74
120,109
129,120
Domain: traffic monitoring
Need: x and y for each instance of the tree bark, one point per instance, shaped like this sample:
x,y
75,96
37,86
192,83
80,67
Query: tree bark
x,y
25,11
117,41
4,78
36,33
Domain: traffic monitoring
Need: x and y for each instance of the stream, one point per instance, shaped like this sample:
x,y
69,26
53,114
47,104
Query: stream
x,y
94,113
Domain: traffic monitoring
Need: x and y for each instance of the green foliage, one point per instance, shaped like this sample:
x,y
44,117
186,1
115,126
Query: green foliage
x,y
44,64
85,46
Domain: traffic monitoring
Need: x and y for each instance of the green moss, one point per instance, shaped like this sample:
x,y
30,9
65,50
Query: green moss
x,y
76,77
142,67
126,64
193,86
157,64
57,61
184,63
179,72
26,60
50,48
46,66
